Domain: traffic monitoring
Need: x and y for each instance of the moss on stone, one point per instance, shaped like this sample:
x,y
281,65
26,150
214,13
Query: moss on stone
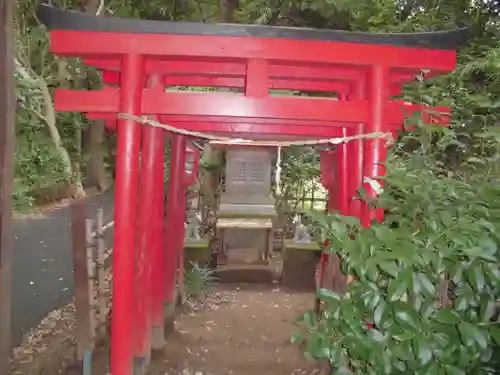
x,y
196,252
196,244
306,246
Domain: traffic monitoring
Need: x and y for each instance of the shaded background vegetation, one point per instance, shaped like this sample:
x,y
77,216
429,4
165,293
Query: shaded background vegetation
x,y
57,154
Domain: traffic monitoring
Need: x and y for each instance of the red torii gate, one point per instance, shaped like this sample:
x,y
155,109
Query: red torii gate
x,y
143,57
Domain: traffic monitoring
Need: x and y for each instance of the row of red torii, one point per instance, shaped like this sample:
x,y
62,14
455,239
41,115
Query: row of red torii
x,y
139,59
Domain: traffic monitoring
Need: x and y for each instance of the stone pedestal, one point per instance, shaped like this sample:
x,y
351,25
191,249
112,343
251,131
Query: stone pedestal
x,y
196,251
299,265
256,232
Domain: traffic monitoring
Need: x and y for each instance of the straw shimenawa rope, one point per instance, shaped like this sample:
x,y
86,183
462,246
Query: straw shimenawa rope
x,y
215,139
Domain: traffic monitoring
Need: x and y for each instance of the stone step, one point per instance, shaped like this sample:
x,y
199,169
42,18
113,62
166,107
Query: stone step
x,y
247,273
244,257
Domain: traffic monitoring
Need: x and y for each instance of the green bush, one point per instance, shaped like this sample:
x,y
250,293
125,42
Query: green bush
x,y
427,278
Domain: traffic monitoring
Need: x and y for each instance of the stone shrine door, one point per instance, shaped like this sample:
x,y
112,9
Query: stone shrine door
x,y
248,176
247,196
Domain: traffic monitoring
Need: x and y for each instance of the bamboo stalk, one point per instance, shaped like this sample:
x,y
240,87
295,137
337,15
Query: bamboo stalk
x,y
82,292
91,277
102,286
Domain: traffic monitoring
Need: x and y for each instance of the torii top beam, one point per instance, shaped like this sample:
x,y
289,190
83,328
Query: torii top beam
x,y
241,42
189,54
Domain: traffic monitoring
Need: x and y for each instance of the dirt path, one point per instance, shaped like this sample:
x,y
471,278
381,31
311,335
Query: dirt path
x,y
243,332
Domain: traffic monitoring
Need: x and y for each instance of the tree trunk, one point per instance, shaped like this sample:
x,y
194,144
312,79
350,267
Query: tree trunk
x,y
209,181
95,170
7,138
227,8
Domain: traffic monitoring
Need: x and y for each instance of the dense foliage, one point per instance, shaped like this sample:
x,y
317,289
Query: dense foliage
x,y
55,150
428,284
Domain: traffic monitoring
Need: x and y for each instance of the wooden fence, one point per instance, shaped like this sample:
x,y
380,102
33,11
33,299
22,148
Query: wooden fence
x,y
92,275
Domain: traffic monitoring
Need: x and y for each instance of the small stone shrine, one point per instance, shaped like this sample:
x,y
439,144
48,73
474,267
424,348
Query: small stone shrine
x,y
192,228
300,257
248,183
246,206
301,233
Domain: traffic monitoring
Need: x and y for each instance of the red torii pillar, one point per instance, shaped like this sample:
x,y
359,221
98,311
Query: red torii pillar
x,y
375,149
158,245
149,235
327,173
342,174
355,150
335,178
174,226
150,291
126,191
192,157
190,178
149,254
179,180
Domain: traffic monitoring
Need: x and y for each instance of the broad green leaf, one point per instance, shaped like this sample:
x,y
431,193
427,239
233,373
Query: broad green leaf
x,y
446,218
452,370
350,220
486,307
376,335
450,331
475,276
423,350
475,160
425,283
427,308
349,311
456,272
343,371
314,347
471,334
389,267
309,319
461,302
495,334
488,225
328,295
379,312
488,246
493,274
487,354
361,346
372,272
447,316
387,361
399,286
406,315
370,299
473,252
296,337
404,335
